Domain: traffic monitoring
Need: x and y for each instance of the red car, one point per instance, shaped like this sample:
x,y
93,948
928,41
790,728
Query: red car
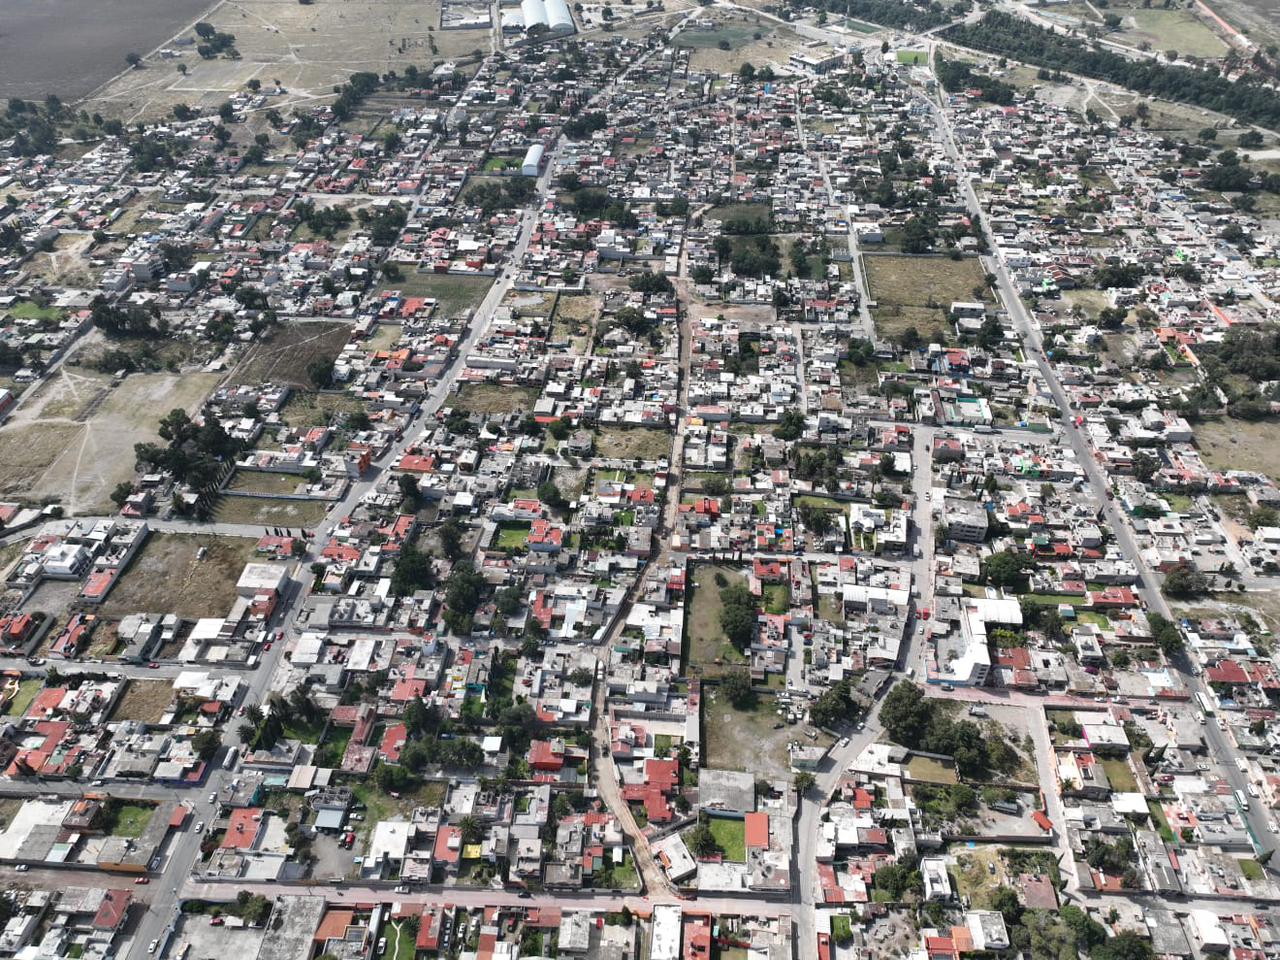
x,y
153,665
266,646
142,881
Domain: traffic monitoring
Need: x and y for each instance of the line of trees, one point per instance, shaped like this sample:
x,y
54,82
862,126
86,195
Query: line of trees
x,y
1009,36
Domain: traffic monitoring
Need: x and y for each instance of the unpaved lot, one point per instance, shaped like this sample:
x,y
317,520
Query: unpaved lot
x,y
72,441
166,577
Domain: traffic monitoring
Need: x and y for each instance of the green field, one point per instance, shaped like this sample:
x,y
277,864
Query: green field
x,y
731,835
913,57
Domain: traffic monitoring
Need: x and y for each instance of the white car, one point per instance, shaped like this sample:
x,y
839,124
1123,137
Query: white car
x,y
151,947
200,827
1273,826
22,868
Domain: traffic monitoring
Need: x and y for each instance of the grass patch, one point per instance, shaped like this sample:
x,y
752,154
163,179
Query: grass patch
x,y
269,511
1252,870
731,835
21,702
128,819
1120,775
928,770
512,536
261,481
776,598
913,57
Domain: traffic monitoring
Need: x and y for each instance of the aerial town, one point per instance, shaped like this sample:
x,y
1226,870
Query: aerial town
x,y
664,481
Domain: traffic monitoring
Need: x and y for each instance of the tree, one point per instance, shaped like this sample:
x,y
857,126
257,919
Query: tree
x,y
121,493
206,744
1184,580
737,688
550,494
471,831
701,841
1166,634
413,571
804,781
1145,466
1006,568
408,485
320,373
134,60
451,538
790,426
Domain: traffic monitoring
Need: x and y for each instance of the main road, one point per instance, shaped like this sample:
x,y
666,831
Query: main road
x,y
1148,587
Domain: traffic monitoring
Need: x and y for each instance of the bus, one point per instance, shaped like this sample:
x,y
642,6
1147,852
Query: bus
x,y
1206,705
229,760
1241,800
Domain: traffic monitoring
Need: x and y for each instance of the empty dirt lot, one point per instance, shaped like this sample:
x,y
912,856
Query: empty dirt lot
x,y
285,357
166,577
72,441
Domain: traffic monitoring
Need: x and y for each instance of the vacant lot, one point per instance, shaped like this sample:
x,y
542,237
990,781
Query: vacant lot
x,y
740,211
494,398
309,408
455,295
916,291
1228,444
979,873
635,443
709,652
289,353
166,577
260,481
923,281
144,701
1120,775
270,511
752,740
1169,30
73,441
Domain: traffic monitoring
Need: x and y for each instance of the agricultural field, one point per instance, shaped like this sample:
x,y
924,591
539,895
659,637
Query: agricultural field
x,y
306,48
288,354
72,441
166,576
